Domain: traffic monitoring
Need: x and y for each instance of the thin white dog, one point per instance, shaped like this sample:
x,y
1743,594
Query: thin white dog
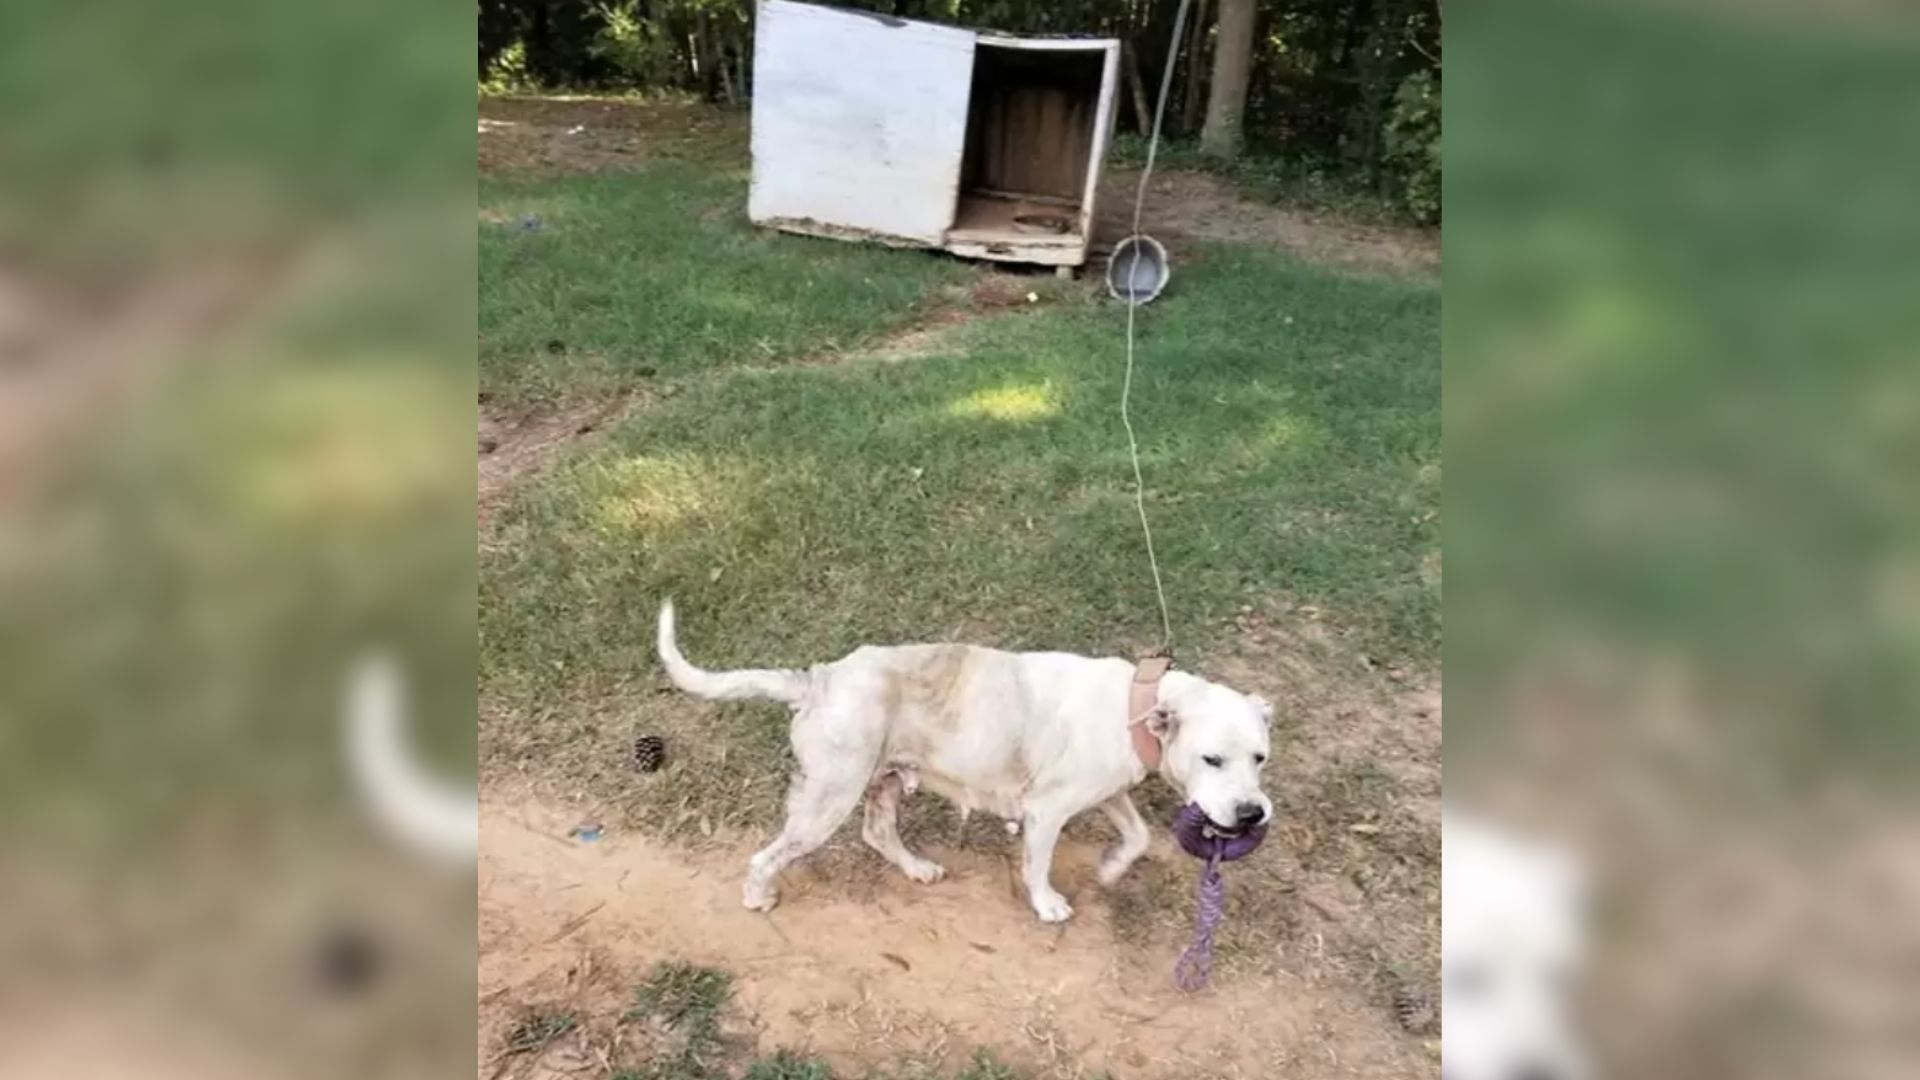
x,y
1035,738
1511,944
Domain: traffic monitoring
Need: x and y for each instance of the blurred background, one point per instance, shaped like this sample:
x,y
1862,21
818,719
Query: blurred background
x,y
1683,426
236,390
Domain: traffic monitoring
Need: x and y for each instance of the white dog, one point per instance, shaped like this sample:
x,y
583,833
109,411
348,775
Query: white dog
x,y
1510,943
1035,738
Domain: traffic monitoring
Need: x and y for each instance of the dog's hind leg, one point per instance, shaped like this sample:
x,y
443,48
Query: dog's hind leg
x,y
832,776
1134,838
881,830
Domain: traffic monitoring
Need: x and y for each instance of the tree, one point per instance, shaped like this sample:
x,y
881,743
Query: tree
x,y
1232,65
1196,71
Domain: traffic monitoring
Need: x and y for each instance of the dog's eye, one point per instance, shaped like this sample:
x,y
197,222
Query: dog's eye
x,y
1213,760
1259,759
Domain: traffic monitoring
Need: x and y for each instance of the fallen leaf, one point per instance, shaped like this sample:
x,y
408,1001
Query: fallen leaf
x,y
898,961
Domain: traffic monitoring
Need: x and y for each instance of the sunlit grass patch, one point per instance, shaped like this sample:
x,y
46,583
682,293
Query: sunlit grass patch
x,y
1013,404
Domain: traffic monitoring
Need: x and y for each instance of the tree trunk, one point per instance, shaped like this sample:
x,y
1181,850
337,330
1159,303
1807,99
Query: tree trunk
x,y
1142,110
1196,71
1379,52
1232,64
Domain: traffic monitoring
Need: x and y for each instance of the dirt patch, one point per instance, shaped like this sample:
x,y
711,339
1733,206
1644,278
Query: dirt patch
x,y
1329,949
557,136
512,445
873,978
1185,209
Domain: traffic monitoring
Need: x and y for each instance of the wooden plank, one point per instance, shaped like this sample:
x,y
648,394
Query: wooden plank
x,y
859,122
1103,122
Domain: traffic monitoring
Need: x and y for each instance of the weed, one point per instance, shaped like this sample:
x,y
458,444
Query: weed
x,y
786,1065
538,1029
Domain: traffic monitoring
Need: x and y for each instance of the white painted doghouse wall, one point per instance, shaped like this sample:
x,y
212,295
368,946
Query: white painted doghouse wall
x,y
860,131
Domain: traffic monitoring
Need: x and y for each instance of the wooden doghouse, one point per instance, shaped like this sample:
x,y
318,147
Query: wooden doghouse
x,y
868,127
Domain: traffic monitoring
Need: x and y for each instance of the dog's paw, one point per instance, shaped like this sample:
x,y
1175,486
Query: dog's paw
x,y
1052,907
1112,870
759,898
924,871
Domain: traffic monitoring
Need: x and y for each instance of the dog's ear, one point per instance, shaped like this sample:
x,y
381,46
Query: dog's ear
x,y
1163,722
1263,707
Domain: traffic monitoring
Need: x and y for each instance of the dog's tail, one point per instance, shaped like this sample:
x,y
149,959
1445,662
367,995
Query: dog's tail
x,y
781,685
420,809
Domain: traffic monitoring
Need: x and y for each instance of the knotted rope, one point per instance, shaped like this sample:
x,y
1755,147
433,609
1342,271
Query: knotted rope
x,y
1202,839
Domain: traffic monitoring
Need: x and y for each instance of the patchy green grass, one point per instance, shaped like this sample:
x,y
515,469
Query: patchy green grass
x,y
1289,434
786,1065
683,996
687,1000
539,1029
596,284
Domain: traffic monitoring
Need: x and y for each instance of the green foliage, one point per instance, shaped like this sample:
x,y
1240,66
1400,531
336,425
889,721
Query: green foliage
x,y
638,49
1412,138
508,73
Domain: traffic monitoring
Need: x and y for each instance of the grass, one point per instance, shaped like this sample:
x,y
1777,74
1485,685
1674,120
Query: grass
x,y
631,277
684,996
1290,440
538,1031
687,999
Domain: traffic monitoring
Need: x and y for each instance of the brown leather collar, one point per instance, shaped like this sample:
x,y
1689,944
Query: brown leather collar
x,y
1142,696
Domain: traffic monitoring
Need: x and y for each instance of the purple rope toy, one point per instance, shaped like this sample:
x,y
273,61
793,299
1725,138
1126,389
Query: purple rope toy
x,y
1202,839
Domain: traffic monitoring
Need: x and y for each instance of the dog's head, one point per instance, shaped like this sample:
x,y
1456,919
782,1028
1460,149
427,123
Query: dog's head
x,y
1510,943
1213,745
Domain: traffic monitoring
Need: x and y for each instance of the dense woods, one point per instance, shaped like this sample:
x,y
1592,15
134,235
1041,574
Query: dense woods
x,y
1351,84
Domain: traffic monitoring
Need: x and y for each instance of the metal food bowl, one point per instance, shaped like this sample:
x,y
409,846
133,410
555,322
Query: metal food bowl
x,y
1138,270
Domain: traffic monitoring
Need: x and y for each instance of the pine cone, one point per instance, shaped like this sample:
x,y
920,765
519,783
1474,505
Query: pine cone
x,y
1413,1009
649,753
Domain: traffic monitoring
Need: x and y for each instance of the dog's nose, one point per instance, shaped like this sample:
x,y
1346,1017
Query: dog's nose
x,y
1248,814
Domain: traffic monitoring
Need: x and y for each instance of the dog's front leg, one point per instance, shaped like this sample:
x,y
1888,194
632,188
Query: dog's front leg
x,y
1043,824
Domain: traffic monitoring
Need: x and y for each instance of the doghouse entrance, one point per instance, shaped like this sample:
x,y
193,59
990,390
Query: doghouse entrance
x,y
1033,124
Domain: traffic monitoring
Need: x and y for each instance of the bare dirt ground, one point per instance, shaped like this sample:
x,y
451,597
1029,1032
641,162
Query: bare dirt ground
x,y
513,444
555,136
1184,209
877,977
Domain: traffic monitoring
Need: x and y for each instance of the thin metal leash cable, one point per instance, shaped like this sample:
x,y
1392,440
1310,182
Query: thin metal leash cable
x,y
1133,302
